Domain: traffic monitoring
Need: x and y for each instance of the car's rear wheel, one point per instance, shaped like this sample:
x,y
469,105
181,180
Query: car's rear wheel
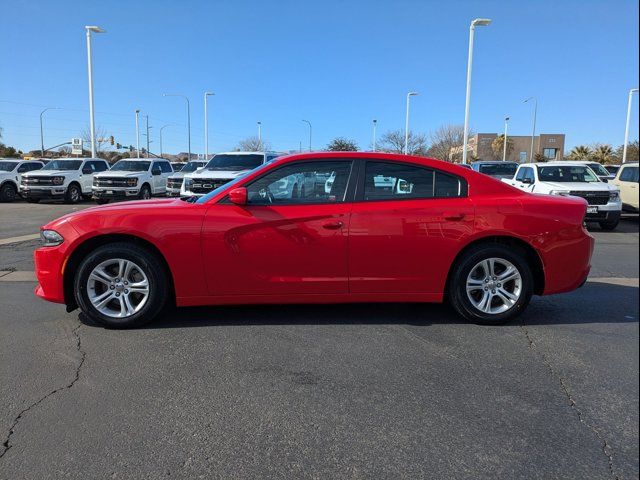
x,y
74,194
609,225
8,192
120,285
491,284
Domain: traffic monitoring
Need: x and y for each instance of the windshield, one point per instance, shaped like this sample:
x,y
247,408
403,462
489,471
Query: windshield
x,y
63,165
567,174
235,162
599,169
7,166
506,169
131,166
192,167
612,169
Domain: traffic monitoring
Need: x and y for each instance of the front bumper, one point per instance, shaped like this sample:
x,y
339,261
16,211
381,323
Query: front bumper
x,y
173,192
42,192
100,193
603,215
49,264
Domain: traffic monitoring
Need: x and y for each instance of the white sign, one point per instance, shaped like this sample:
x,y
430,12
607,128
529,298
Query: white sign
x,y
76,146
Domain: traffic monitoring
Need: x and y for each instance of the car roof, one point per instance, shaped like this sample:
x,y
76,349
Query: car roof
x,y
493,161
14,160
572,163
79,158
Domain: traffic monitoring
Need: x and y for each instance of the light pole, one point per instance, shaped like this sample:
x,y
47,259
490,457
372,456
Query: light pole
x,y
535,115
478,22
92,126
147,134
188,117
626,130
310,130
162,128
375,124
504,147
406,123
206,125
41,132
138,133
260,134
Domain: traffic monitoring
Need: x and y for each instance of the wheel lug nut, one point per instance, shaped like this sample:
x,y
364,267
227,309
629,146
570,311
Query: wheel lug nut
x,y
493,291
499,284
112,287
126,291
117,280
126,283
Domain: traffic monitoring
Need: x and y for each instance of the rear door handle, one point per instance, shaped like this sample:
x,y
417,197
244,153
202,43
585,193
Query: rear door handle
x,y
453,216
333,225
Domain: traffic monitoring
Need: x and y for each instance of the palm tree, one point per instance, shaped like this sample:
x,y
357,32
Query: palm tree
x,y
497,146
581,152
603,153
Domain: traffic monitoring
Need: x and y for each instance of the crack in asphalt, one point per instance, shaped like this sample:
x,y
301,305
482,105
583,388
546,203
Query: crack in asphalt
x,y
6,445
606,448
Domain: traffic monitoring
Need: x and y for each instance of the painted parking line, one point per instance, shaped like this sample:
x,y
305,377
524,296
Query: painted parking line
x,y
17,276
22,238
621,281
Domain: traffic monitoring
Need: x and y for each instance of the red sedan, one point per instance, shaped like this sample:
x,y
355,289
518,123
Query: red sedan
x,y
321,228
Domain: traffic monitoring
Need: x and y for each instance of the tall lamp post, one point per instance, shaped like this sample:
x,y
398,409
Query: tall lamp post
x,y
138,133
626,130
375,124
310,130
41,131
478,22
206,125
92,126
504,147
406,123
533,129
260,134
162,128
188,117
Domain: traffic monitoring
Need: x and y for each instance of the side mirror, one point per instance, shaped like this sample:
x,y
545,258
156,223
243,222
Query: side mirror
x,y
527,181
87,170
238,196
156,171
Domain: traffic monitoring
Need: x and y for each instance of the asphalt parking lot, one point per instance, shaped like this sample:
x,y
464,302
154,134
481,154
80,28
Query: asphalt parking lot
x,y
358,391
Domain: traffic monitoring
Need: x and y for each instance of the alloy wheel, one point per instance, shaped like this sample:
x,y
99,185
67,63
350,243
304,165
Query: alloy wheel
x,y
494,285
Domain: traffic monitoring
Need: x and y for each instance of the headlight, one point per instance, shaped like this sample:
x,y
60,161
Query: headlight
x,y
58,180
132,182
95,182
614,196
559,192
50,238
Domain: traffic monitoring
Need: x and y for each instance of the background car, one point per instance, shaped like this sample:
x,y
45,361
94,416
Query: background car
x,y
627,181
600,170
132,178
497,169
445,233
174,182
11,170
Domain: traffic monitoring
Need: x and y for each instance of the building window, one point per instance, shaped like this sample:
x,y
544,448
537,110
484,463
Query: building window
x,y
523,157
550,153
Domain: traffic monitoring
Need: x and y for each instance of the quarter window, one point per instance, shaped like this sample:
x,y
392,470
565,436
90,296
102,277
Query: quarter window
x,y
396,181
302,183
629,174
165,167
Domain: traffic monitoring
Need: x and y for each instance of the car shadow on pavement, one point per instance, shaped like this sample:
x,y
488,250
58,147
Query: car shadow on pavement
x,y
594,303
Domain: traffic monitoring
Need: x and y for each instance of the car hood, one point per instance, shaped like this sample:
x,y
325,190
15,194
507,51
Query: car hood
x,y
176,176
120,174
581,186
48,173
217,174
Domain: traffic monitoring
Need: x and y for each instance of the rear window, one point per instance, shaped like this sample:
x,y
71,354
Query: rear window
x,y
496,169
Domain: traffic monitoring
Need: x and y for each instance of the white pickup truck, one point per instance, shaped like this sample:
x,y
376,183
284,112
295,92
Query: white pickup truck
x,y
576,179
63,178
132,179
11,171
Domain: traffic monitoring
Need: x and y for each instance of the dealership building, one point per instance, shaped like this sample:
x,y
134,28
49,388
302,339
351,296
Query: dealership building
x,y
551,145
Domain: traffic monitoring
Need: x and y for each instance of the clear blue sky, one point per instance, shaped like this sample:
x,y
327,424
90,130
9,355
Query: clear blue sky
x,y
338,64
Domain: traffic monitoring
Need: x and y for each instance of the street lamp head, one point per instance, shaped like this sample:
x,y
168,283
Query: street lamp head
x,y
95,29
506,119
411,94
209,93
137,111
633,90
530,98
375,121
481,22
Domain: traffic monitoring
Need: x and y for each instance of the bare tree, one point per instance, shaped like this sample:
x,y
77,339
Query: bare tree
x,y
101,137
341,144
393,142
252,144
444,139
64,151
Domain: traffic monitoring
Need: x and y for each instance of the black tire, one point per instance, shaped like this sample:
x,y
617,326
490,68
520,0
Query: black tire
x,y
8,192
145,192
102,201
148,263
610,225
33,200
73,193
457,288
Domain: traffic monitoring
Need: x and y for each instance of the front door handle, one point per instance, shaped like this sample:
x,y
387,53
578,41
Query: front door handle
x,y
453,216
333,225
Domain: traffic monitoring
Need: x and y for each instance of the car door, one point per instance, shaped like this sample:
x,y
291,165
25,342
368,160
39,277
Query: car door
x,y
405,228
167,170
281,244
627,181
156,178
87,171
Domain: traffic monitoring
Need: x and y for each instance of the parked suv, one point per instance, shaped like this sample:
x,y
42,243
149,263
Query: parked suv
x,y
572,179
11,170
222,168
64,178
174,182
627,181
132,178
495,168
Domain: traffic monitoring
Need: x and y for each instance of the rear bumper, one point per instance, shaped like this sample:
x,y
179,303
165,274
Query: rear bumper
x,y
568,263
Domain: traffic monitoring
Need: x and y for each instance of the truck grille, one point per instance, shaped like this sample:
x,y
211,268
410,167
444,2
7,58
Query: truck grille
x,y
205,185
110,182
36,181
174,182
592,198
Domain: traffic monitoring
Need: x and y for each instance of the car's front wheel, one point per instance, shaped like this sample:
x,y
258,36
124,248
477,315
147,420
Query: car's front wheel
x,y
120,285
8,192
74,194
491,284
610,225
